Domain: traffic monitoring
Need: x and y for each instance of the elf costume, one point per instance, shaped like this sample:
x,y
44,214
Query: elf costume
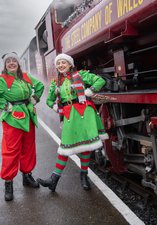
x,y
18,143
82,130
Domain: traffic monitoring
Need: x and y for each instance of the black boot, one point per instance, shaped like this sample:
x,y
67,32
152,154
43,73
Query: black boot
x,y
84,181
28,180
51,182
8,190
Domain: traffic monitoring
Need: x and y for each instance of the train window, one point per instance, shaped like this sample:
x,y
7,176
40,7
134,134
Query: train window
x,y
63,13
42,38
65,8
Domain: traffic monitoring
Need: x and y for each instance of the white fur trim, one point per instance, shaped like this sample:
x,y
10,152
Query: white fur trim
x,y
11,55
79,149
66,57
103,136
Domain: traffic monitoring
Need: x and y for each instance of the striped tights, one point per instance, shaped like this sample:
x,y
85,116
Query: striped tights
x,y
62,161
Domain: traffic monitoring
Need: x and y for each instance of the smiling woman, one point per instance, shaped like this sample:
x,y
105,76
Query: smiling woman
x,y
11,63
82,130
19,93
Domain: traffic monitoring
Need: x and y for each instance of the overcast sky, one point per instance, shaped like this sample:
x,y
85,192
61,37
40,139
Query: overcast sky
x,y
18,19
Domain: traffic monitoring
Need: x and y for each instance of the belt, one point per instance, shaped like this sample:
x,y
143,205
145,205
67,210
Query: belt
x,y
20,102
70,102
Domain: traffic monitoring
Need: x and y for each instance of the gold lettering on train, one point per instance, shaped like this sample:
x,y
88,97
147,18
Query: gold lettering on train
x,y
91,25
130,6
67,42
140,2
125,6
75,37
101,18
135,5
87,28
108,12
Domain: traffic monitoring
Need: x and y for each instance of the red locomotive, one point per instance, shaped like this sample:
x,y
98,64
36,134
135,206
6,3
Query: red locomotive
x,y
116,39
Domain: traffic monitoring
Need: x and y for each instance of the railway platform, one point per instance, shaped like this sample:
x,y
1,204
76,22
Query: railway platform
x,y
70,205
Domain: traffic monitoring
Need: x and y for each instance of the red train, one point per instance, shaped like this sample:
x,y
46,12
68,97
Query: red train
x,y
116,39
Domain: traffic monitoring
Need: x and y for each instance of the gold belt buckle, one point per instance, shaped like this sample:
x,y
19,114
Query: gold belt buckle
x,y
69,102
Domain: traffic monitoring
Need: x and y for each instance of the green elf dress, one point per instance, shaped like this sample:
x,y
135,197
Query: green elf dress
x,y
82,127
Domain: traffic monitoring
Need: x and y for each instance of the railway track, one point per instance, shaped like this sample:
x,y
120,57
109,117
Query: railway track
x,y
142,201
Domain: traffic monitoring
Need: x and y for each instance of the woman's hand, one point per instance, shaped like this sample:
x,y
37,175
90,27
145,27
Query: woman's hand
x,y
32,100
88,92
8,107
55,108
57,90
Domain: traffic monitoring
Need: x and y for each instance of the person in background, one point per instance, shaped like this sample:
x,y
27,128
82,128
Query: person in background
x,y
19,93
82,130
